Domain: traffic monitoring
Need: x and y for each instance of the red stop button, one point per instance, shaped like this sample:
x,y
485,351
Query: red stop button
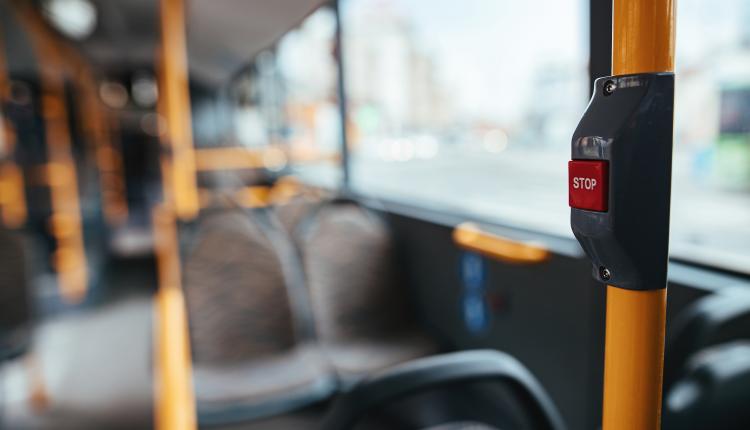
x,y
588,184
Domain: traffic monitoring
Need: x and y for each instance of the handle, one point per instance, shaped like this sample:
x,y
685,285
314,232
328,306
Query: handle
x,y
471,237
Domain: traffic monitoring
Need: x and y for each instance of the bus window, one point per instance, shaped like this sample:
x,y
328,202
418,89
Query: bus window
x,y
288,100
711,182
447,107
446,110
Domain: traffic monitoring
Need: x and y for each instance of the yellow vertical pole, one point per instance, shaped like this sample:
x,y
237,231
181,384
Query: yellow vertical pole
x,y
634,358
643,42
175,400
91,115
643,36
12,196
66,224
175,107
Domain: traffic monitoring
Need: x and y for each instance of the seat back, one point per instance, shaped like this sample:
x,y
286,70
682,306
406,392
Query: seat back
x,y
295,211
712,320
351,274
713,392
469,389
235,290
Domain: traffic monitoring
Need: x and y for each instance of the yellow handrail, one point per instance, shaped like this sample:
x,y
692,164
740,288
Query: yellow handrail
x,y
249,197
470,236
643,42
286,188
174,104
643,36
174,396
212,159
94,119
173,387
634,358
12,196
69,257
271,157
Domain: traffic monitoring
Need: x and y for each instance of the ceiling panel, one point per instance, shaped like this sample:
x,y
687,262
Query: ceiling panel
x,y
222,34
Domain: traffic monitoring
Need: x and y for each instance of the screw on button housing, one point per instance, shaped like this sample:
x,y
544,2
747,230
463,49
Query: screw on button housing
x,y
609,88
604,273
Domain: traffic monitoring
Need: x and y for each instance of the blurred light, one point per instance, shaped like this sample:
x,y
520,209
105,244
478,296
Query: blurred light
x,y
401,149
74,18
266,62
382,149
683,395
426,147
153,124
145,91
274,159
113,94
20,93
495,141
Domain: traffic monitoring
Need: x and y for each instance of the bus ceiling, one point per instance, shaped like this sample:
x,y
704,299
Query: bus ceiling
x,y
125,34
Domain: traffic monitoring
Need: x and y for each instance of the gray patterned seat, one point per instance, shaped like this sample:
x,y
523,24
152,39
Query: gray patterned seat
x,y
252,357
361,311
294,212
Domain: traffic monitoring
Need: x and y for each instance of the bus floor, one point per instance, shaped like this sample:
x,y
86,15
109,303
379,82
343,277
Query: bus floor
x,y
96,364
94,361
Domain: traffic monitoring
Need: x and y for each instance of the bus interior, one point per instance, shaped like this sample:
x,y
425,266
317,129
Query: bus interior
x,y
340,214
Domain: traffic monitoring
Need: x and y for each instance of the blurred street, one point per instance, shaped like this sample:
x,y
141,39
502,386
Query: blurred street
x,y
529,189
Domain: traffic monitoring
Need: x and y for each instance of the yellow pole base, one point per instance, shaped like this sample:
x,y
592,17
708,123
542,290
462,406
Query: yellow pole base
x,y
173,385
39,399
633,359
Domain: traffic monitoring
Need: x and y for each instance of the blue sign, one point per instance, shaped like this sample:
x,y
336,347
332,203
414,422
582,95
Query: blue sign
x,y
474,306
472,271
475,313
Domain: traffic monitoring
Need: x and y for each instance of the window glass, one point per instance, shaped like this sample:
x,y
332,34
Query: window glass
x,y
287,103
308,83
471,105
467,104
711,181
259,117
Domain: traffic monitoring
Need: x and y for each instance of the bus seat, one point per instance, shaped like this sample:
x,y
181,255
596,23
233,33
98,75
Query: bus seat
x,y
292,212
479,389
15,305
361,311
714,391
251,358
714,319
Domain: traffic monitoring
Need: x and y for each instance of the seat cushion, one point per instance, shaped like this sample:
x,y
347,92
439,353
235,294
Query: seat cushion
x,y
271,385
356,359
249,359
